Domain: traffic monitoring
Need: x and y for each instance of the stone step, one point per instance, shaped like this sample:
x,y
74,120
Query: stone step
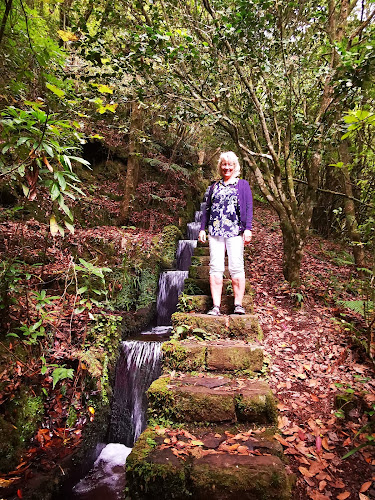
x,y
203,303
199,251
240,327
203,272
203,260
224,355
199,286
211,399
206,465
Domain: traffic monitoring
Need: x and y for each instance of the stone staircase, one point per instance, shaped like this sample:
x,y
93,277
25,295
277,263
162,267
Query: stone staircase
x,y
215,417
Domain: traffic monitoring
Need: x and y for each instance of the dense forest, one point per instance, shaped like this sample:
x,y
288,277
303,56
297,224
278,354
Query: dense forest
x,y
112,115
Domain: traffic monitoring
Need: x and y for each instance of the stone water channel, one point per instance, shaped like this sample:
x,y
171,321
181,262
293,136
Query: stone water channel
x,y
138,366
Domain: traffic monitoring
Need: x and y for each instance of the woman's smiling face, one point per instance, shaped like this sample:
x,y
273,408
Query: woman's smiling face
x,y
227,169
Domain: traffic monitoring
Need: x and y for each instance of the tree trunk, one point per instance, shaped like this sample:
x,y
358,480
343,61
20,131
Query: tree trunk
x,y
349,208
132,172
293,253
8,6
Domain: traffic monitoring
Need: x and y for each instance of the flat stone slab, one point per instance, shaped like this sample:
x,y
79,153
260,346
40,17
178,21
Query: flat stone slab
x,y
199,286
199,251
224,355
203,303
242,327
203,464
203,272
211,399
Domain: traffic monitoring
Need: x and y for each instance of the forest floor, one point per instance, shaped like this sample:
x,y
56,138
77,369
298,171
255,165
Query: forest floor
x,y
308,338
313,358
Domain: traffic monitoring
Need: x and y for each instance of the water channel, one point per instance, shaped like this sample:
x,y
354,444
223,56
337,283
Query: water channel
x,y
138,366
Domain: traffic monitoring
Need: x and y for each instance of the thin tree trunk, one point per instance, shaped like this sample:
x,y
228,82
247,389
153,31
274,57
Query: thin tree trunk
x,y
349,208
132,172
293,253
8,6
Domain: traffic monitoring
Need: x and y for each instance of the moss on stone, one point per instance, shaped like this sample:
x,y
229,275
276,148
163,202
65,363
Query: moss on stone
x,y
246,327
183,357
259,408
162,476
9,445
212,325
234,358
260,478
168,244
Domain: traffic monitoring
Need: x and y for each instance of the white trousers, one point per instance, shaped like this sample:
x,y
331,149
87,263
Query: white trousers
x,y
234,247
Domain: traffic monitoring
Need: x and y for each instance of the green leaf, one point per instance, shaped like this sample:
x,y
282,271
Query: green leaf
x,y
61,374
60,177
60,93
69,226
55,192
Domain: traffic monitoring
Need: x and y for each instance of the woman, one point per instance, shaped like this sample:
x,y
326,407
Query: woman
x,y
228,214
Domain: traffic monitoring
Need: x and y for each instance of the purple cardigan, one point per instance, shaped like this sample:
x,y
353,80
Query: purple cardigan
x,y
245,199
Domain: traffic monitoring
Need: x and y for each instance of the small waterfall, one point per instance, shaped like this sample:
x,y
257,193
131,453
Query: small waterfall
x,y
198,216
139,365
193,230
171,284
203,206
184,253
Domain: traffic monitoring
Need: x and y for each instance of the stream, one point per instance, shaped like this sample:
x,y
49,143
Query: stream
x,y
138,366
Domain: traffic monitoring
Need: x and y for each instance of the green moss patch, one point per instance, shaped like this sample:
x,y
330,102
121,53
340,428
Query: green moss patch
x,y
245,327
234,357
183,356
256,403
235,476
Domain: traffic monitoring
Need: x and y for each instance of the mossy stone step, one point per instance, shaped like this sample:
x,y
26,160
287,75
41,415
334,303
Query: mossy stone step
x,y
227,355
203,303
180,464
211,399
199,251
241,327
199,286
203,272
203,260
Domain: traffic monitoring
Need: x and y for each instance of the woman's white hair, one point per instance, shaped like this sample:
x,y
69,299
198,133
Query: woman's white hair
x,y
232,157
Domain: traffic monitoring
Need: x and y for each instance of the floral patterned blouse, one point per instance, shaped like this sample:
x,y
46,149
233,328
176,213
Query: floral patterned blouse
x,y
224,210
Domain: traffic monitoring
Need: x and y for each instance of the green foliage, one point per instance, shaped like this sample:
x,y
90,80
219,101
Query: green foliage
x,y
92,289
61,373
38,150
185,331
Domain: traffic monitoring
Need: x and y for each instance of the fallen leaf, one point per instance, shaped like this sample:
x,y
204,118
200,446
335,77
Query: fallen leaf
x,y
338,484
196,442
322,485
305,472
318,444
365,486
343,495
363,497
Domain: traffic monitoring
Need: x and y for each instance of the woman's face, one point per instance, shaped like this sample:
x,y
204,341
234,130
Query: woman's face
x,y
227,169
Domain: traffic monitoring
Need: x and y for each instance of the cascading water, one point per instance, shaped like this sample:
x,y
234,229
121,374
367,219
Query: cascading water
x,y
171,284
185,250
193,230
139,365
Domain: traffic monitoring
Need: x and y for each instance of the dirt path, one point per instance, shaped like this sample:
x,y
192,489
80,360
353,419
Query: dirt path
x,y
310,352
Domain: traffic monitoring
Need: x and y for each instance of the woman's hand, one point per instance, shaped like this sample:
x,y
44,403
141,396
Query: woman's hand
x,y
202,236
247,235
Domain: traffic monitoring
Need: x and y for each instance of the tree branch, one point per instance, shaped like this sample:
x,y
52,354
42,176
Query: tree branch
x,y
336,193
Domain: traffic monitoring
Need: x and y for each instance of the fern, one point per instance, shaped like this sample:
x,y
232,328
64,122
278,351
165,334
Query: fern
x,y
362,307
